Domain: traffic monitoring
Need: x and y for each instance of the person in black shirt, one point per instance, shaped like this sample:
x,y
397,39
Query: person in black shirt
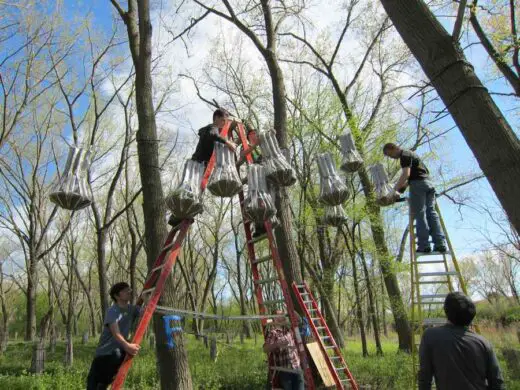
x,y
208,135
422,197
454,355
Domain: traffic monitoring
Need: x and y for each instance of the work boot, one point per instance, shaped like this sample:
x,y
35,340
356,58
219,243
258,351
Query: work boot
x,y
441,248
426,249
259,230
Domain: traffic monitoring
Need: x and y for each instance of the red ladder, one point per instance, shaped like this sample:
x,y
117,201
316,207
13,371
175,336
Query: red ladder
x,y
335,361
161,269
265,305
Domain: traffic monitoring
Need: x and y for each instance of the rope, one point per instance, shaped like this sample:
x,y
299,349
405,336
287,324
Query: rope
x,y
196,314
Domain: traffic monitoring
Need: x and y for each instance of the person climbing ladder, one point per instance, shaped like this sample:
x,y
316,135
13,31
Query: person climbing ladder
x,y
208,135
422,197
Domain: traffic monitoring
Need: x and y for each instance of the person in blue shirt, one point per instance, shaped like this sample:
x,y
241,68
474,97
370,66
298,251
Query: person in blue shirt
x,y
113,344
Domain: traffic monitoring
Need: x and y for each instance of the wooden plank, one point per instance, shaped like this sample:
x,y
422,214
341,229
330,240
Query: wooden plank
x,y
319,360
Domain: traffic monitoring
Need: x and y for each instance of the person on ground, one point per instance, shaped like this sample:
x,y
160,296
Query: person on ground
x,y
422,197
113,344
454,355
281,347
208,135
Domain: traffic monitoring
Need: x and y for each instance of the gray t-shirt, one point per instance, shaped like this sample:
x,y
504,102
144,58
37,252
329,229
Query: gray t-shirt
x,y
124,318
458,359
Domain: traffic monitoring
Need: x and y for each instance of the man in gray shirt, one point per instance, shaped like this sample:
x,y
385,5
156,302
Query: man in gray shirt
x,y
113,344
456,357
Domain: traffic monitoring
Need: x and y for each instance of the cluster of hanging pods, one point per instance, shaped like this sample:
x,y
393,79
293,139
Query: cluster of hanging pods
x,y
72,192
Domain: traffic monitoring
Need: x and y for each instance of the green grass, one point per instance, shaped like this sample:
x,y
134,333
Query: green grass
x,y
239,366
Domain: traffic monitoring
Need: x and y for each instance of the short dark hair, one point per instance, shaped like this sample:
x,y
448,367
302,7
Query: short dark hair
x,y
220,113
389,146
459,309
117,288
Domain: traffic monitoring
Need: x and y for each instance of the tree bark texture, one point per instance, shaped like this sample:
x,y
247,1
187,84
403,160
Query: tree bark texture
x,y
489,136
172,363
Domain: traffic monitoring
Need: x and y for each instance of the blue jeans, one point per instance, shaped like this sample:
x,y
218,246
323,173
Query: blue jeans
x,y
291,381
422,202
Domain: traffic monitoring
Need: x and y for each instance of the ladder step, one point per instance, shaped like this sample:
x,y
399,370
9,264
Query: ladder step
x,y
432,282
257,239
442,273
264,281
434,321
422,254
433,296
273,302
148,291
307,301
340,368
315,319
262,259
429,262
334,357
157,268
330,347
325,337
320,327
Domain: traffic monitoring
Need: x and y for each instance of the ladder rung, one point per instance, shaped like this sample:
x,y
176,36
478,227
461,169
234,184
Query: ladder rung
x,y
329,346
422,254
300,286
434,321
148,291
429,262
307,301
340,368
442,273
314,319
262,259
312,309
157,268
334,357
264,281
325,337
256,239
320,327
273,302
433,296
432,282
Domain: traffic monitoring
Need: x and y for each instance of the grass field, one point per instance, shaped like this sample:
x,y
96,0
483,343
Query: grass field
x,y
238,366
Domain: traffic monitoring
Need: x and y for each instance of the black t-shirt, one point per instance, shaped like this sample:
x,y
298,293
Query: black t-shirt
x,y
418,170
207,138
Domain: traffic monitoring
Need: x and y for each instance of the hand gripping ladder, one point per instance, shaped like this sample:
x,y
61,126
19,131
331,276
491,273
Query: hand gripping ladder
x,y
430,288
331,352
159,272
267,305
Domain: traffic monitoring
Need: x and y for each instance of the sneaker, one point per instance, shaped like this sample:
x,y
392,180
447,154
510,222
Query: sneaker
x,y
440,248
423,250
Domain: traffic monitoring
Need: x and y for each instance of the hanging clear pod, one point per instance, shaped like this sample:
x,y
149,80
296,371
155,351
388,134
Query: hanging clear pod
x,y
334,215
385,194
71,190
224,180
278,169
352,160
186,200
332,189
258,203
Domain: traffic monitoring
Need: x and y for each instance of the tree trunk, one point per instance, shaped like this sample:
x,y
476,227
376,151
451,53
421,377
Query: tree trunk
x,y
392,286
371,307
102,268
489,136
359,310
173,364
32,284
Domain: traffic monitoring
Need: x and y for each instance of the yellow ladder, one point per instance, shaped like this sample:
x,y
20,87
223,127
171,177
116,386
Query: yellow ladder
x,y
429,288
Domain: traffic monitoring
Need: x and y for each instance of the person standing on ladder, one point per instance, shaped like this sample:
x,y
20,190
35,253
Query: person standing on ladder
x,y
208,135
113,344
281,347
422,197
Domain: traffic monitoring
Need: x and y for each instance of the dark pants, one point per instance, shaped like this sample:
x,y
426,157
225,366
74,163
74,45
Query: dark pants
x,y
291,381
103,370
